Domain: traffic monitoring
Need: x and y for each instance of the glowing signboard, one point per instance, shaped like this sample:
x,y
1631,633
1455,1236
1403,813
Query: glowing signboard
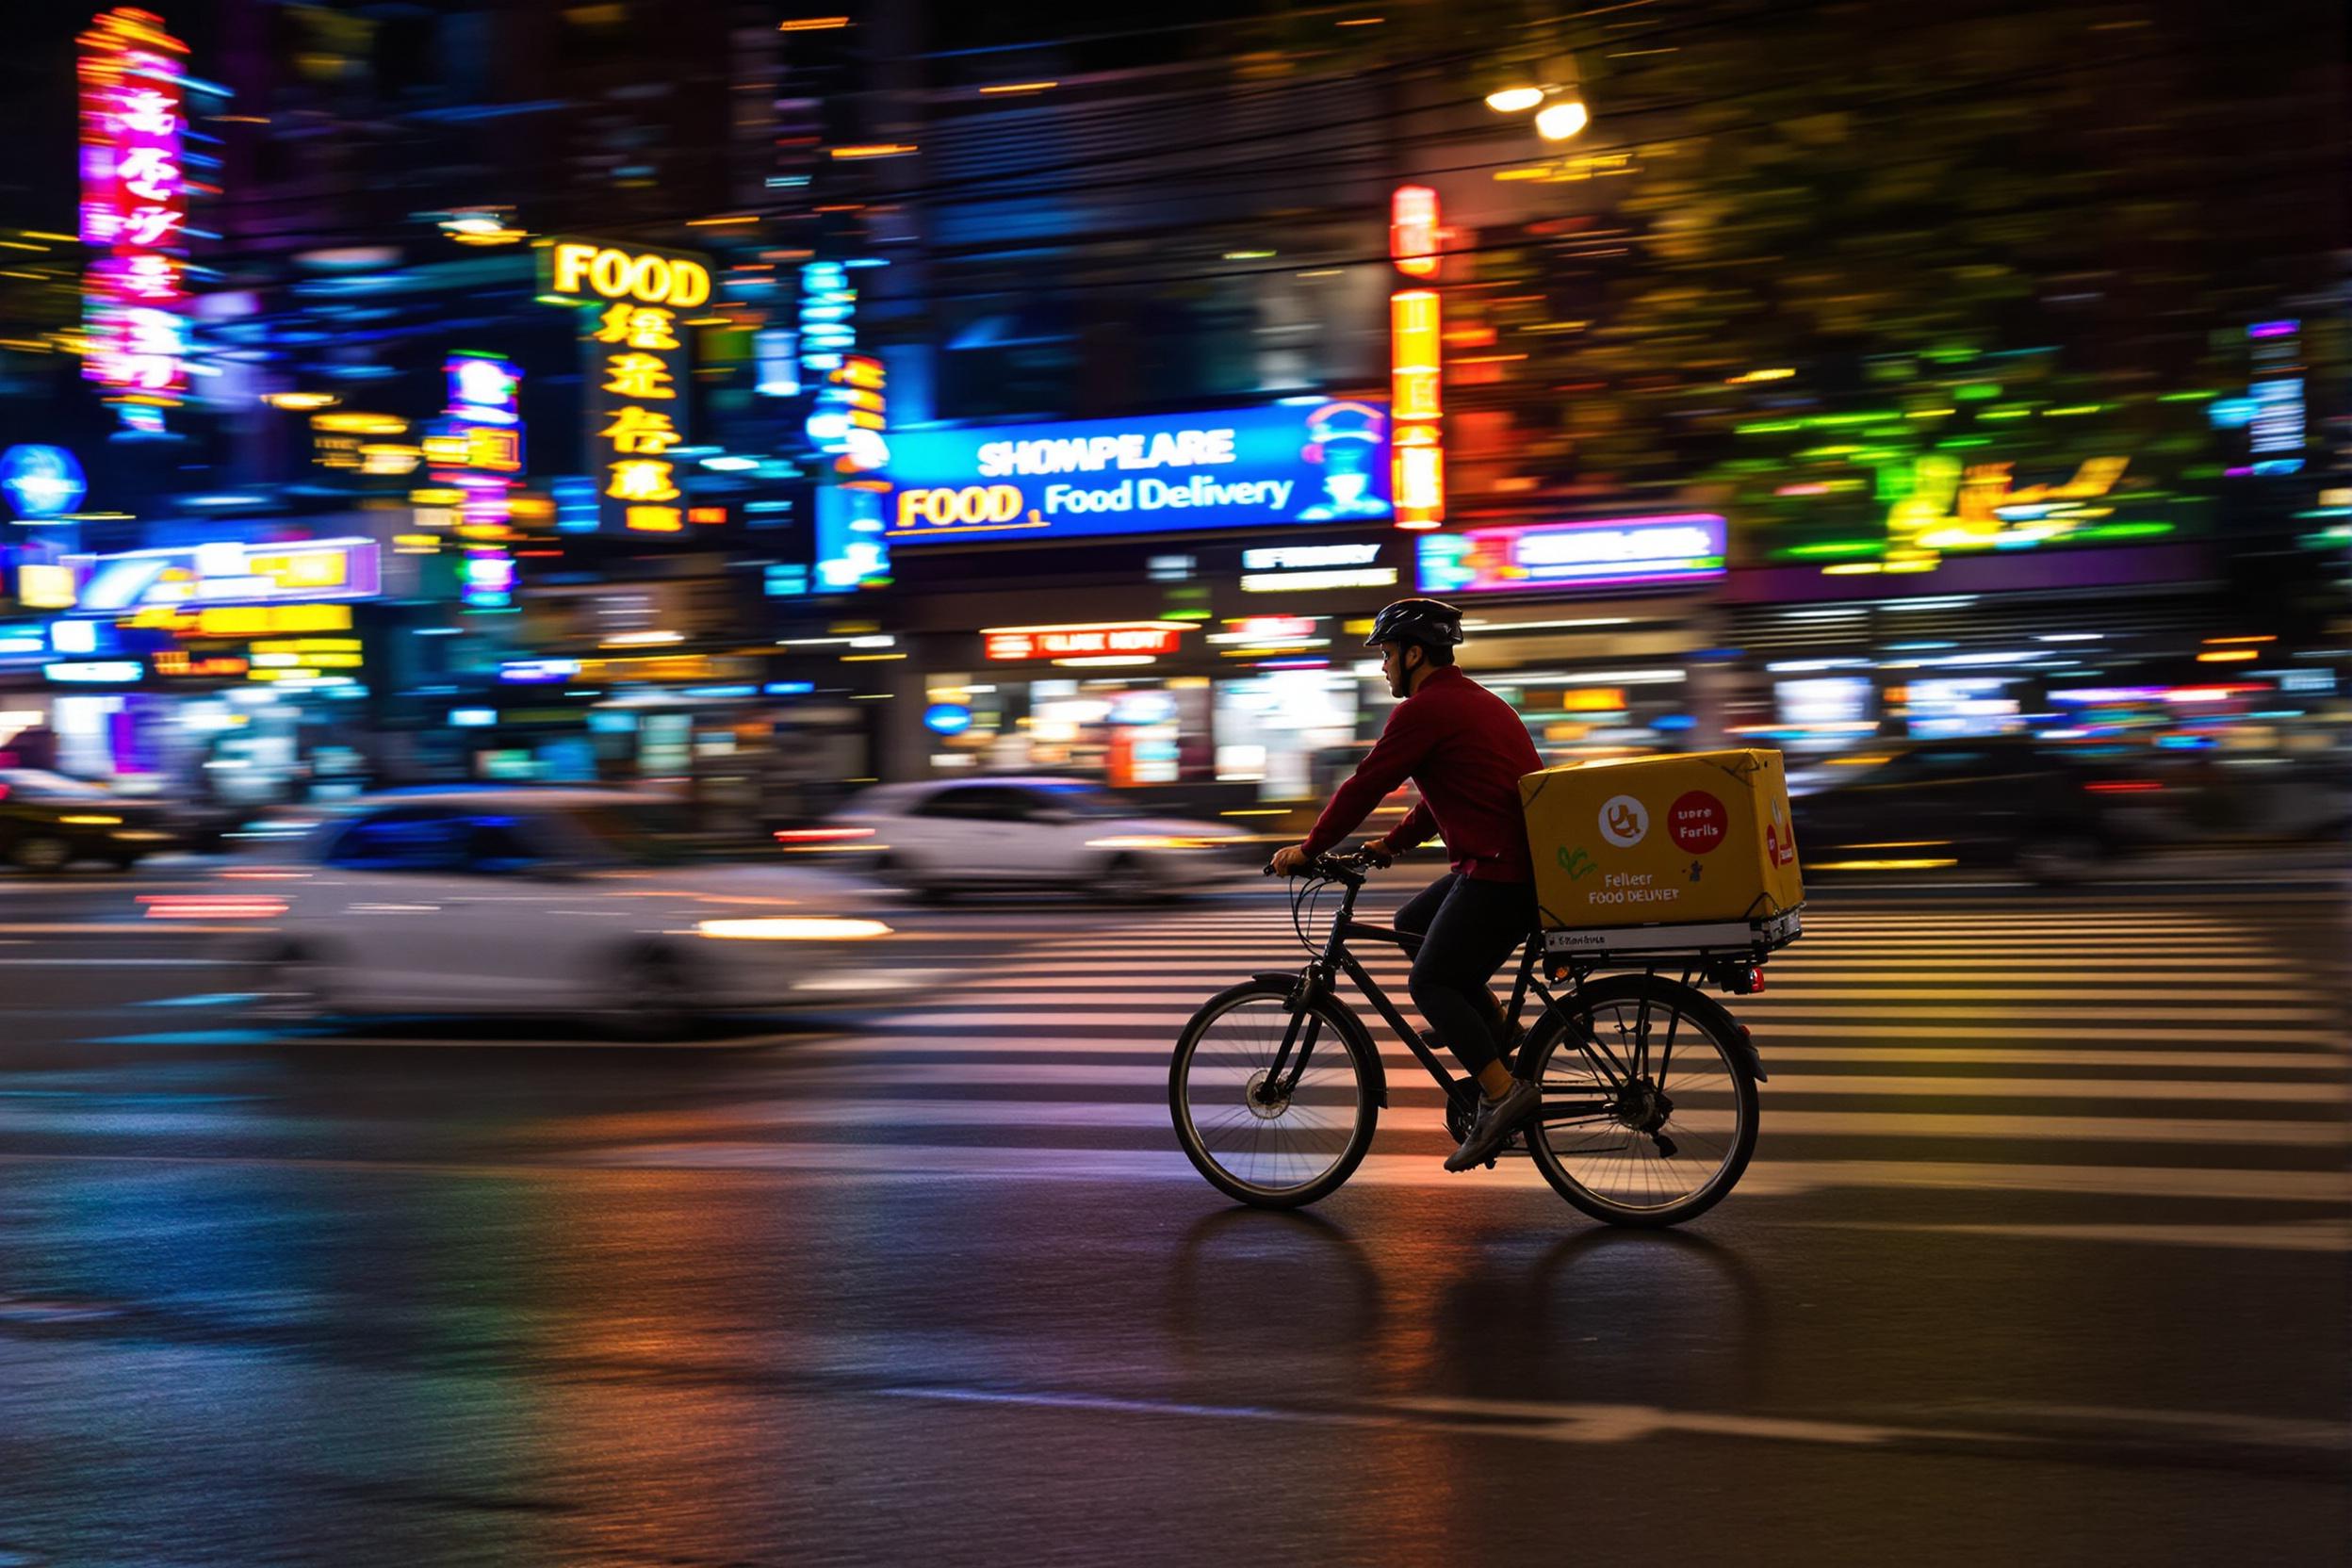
x,y
1979,506
1415,372
1412,232
1014,643
227,573
1608,552
852,412
1243,467
133,205
584,268
637,364
41,481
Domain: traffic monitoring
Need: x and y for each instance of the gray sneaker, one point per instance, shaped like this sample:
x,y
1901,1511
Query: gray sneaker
x,y
1495,1121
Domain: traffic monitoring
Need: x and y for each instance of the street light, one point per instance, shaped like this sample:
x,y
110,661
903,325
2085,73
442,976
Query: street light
x,y
1559,121
1515,100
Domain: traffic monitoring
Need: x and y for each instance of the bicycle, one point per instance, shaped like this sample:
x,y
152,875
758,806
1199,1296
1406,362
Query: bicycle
x,y
1275,1086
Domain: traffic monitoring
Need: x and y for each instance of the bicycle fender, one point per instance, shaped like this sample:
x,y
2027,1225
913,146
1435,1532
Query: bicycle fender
x,y
1357,1035
1756,1057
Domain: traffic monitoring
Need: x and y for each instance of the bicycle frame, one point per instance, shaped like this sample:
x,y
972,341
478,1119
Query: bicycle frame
x,y
1315,982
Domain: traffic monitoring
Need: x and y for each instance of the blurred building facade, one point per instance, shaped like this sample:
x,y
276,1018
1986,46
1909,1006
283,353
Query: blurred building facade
x,y
1990,380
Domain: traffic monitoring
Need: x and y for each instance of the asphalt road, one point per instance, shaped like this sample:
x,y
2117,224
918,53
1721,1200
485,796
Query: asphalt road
x,y
2043,1259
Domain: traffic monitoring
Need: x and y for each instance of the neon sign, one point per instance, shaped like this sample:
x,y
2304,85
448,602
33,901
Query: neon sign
x,y
573,268
1979,506
133,205
1412,233
851,414
1608,552
1238,467
827,308
637,365
41,481
228,573
1016,642
1416,360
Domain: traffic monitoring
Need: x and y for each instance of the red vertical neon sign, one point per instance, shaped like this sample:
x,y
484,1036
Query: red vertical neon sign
x,y
133,205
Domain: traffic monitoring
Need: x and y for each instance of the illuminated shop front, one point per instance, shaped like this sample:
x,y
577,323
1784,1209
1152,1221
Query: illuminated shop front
x,y
227,670
1598,631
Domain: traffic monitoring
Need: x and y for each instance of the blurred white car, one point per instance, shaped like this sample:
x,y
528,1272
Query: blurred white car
x,y
543,901
973,833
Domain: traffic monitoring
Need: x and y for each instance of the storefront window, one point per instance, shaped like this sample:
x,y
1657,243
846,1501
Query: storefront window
x,y
1269,727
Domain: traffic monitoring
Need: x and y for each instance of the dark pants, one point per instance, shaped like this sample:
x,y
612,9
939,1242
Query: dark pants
x,y
1467,929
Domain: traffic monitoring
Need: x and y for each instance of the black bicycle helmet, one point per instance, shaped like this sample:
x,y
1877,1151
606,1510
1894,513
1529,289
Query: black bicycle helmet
x,y
1424,621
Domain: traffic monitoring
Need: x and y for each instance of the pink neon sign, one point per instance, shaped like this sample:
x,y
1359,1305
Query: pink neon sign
x,y
134,204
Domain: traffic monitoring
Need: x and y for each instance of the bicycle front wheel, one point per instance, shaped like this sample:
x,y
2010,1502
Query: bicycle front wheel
x,y
1273,1142
1651,1119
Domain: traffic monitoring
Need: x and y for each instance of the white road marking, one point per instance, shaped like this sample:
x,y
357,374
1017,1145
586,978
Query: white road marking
x,y
2302,1235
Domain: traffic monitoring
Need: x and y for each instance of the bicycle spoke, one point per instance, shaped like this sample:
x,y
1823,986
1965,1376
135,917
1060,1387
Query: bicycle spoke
x,y
1611,1151
1294,1139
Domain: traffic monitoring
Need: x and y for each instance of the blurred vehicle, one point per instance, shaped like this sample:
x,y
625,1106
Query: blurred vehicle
x,y
2053,816
970,833
48,822
541,901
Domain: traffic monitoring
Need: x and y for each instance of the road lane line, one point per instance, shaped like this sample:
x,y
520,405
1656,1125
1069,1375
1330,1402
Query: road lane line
x,y
2303,1235
116,963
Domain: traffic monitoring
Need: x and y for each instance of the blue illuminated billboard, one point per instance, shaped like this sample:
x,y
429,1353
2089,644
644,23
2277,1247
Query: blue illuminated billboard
x,y
1320,461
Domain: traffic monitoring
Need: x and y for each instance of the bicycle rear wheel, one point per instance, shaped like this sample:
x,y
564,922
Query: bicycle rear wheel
x,y
1276,1148
1653,1120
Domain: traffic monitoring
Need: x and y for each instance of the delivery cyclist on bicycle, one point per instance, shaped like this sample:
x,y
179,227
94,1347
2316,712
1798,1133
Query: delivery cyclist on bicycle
x,y
1466,749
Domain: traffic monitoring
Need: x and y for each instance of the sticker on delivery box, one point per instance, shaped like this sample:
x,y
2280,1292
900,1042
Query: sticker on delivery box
x,y
1624,820
1697,822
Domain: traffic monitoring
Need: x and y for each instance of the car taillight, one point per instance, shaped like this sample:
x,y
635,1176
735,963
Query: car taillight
x,y
2123,786
211,906
821,835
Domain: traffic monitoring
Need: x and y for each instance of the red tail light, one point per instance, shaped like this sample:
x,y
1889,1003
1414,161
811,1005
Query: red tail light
x,y
821,835
2123,786
210,907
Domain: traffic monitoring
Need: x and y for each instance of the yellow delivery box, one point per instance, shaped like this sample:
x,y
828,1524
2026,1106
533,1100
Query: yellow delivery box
x,y
1697,841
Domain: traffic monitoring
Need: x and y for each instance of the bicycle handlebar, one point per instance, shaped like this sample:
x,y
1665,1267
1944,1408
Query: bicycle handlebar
x,y
1347,867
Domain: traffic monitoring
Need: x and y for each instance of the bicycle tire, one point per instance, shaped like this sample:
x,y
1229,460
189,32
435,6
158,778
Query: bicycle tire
x,y
1607,1006
1322,1151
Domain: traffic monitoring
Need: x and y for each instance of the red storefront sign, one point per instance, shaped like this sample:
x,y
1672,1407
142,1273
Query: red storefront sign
x,y
1079,641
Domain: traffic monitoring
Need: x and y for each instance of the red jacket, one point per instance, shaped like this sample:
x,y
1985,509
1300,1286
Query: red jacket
x,y
1466,749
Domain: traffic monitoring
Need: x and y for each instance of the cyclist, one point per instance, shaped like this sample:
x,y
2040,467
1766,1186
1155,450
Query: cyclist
x,y
1466,749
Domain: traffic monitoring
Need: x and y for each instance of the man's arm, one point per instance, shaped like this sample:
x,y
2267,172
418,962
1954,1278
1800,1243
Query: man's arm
x,y
1412,833
1402,747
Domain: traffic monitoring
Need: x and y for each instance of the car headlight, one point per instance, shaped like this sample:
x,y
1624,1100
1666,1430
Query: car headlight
x,y
792,928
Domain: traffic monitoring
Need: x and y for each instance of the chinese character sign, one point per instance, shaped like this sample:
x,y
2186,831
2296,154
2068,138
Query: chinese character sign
x,y
636,363
134,204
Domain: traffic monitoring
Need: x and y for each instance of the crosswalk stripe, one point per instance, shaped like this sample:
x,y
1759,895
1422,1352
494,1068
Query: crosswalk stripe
x,y
1282,945
1030,989
991,1011
1771,1037
906,1046
1161,966
1784,1122
1147,1076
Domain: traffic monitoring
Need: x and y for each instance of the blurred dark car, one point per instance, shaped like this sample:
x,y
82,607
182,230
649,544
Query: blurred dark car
x,y
48,822
2053,816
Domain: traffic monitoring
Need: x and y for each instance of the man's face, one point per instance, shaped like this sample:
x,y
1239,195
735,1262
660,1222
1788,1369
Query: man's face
x,y
1397,667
